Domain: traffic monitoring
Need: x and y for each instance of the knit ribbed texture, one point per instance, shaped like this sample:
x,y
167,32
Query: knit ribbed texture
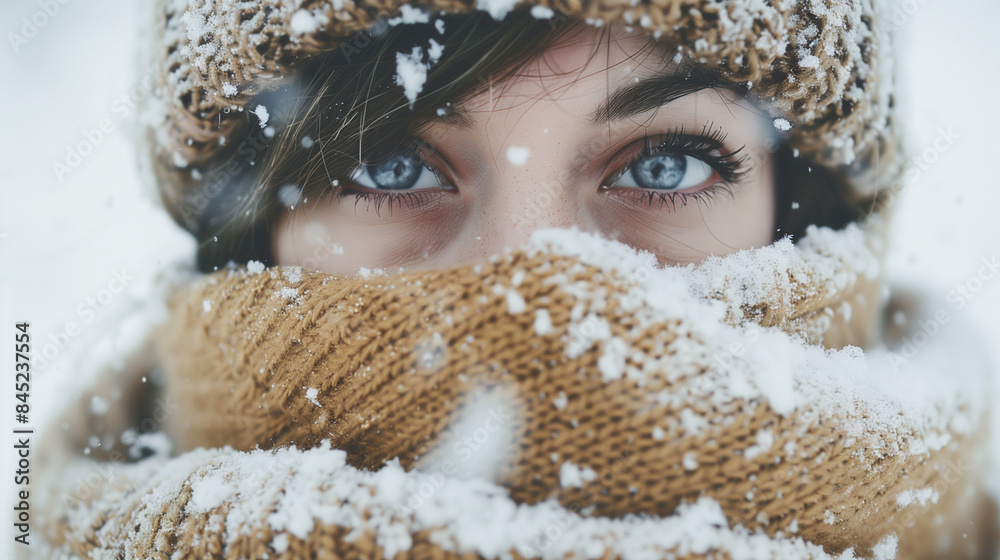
x,y
572,384
395,363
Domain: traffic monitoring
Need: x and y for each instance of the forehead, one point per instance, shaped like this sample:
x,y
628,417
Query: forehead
x,y
583,66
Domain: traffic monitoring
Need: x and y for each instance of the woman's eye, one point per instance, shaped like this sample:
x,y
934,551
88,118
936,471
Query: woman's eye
x,y
665,172
402,170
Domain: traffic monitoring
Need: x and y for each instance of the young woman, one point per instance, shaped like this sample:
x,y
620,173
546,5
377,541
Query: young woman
x,y
519,124
534,280
572,137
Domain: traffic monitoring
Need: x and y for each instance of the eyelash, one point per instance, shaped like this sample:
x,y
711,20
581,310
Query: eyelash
x,y
675,198
704,146
411,199
386,199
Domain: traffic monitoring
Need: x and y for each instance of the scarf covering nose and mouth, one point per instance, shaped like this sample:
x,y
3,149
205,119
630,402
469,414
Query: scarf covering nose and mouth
x,y
570,399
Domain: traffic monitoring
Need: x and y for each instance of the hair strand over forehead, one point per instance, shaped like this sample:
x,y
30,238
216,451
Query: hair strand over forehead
x,y
351,107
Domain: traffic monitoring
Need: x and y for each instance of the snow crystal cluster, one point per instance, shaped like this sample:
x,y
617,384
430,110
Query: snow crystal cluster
x,y
861,390
518,155
411,69
289,490
262,115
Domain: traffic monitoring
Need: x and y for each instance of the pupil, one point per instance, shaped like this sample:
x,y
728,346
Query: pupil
x,y
400,171
663,171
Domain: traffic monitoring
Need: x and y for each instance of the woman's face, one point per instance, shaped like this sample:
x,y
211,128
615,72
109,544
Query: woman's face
x,y
563,143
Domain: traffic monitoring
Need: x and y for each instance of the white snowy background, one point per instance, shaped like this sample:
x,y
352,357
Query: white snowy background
x,y
63,239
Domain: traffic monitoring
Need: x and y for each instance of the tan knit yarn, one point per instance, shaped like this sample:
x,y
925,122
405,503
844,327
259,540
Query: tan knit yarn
x,y
396,361
822,65
357,371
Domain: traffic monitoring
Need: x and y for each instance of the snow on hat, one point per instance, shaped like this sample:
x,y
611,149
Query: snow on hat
x,y
822,67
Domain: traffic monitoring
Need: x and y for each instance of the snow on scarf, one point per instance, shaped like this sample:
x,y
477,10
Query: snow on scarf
x,y
568,400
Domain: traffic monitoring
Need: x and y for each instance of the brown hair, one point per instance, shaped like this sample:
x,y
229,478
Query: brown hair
x,y
347,104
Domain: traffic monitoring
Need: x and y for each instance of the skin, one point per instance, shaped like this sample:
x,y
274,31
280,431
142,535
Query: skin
x,y
491,203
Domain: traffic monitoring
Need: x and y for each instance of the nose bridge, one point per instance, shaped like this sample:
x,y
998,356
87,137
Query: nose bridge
x,y
525,200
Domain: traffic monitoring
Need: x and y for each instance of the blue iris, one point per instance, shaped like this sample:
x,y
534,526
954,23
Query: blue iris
x,y
660,171
399,171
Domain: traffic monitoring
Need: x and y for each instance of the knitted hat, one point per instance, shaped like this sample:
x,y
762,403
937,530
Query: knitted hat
x,y
822,68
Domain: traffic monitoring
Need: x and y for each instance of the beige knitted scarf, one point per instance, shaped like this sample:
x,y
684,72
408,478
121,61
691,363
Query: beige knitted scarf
x,y
568,400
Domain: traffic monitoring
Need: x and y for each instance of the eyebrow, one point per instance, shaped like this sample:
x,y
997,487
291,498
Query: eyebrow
x,y
651,93
456,116
632,99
